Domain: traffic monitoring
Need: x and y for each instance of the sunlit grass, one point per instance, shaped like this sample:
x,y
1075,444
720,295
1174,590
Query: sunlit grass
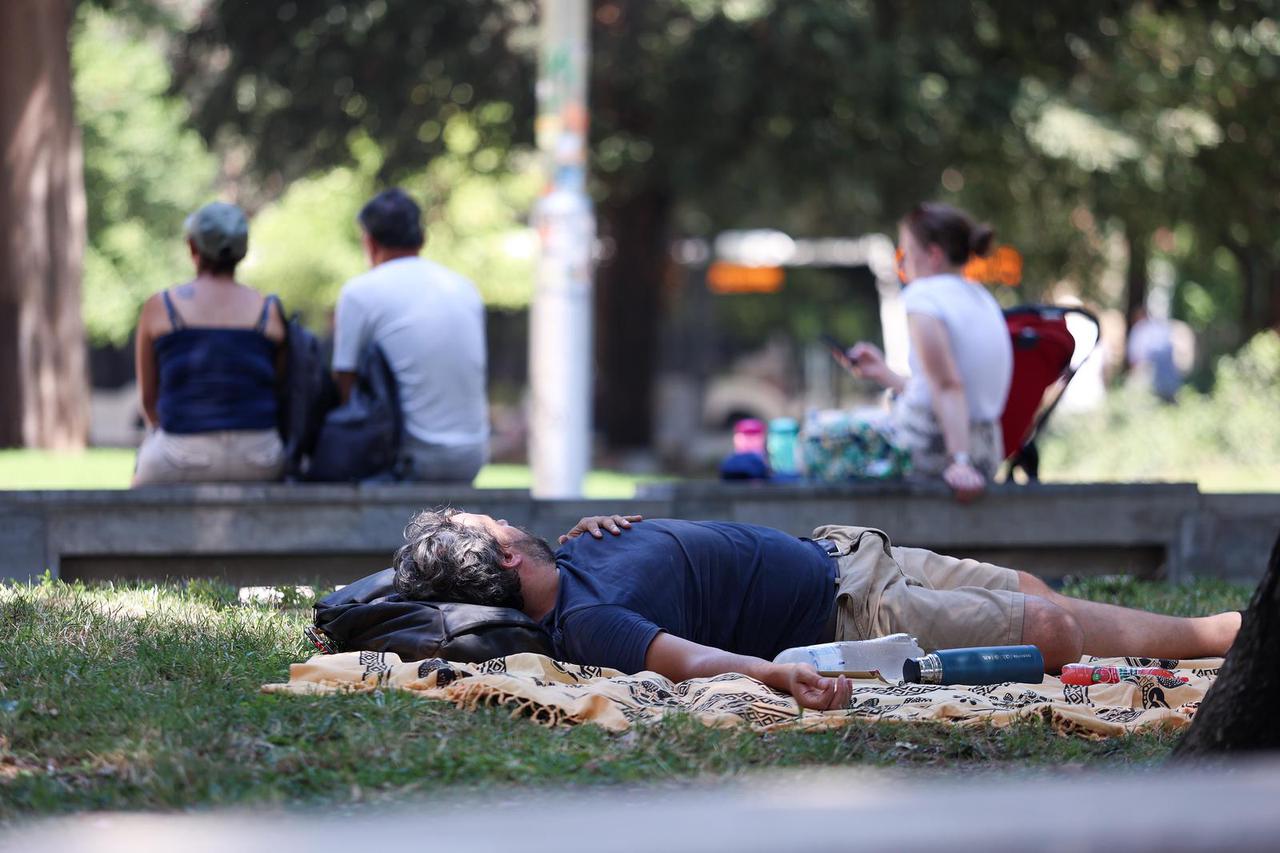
x,y
112,468
145,696
1210,478
599,484
97,468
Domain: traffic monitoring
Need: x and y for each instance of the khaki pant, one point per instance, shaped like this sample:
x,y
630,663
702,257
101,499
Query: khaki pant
x,y
208,457
944,602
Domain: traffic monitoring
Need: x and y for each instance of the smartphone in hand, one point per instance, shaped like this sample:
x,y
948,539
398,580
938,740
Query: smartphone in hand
x,y
839,352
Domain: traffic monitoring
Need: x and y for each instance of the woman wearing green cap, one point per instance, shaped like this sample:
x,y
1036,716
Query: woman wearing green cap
x,y
208,360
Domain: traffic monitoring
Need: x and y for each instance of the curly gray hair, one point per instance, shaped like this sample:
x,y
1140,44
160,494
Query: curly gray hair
x,y
445,560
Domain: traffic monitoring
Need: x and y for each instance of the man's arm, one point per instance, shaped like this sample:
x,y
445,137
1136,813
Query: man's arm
x,y
350,331
680,660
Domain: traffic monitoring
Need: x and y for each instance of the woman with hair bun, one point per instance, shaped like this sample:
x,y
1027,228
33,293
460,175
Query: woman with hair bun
x,y
947,412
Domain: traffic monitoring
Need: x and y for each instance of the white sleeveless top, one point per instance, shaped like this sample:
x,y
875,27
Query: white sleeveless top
x,y
979,343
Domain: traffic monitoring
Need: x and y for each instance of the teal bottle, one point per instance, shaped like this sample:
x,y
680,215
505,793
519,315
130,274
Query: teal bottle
x,y
782,443
980,665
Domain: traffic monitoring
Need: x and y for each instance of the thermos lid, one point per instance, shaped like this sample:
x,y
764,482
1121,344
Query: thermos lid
x,y
911,671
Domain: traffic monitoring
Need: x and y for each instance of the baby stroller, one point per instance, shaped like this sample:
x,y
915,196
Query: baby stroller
x,y
1043,366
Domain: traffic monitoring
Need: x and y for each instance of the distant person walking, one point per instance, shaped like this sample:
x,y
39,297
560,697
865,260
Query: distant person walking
x,y
429,323
208,362
1151,355
947,411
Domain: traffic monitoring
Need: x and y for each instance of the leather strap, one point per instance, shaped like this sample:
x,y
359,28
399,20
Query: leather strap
x,y
832,549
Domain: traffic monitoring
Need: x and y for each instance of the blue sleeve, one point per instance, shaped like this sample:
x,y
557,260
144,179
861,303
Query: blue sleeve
x,y
608,635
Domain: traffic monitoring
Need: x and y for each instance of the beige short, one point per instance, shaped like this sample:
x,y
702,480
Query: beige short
x,y
204,457
944,602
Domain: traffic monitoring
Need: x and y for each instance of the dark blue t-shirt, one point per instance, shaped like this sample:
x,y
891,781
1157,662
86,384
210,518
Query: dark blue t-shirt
x,y
738,587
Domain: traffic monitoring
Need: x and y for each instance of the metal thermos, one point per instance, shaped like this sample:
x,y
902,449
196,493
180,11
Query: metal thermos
x,y
981,665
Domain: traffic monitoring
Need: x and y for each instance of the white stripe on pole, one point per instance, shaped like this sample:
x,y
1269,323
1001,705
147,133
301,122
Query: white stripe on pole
x,y
560,317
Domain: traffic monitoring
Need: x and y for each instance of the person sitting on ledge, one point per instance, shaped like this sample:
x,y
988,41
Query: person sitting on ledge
x,y
209,364
689,599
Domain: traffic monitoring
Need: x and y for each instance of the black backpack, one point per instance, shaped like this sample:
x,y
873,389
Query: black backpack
x,y
307,394
360,439
369,615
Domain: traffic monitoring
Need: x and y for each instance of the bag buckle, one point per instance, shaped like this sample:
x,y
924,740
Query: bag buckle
x,y
320,639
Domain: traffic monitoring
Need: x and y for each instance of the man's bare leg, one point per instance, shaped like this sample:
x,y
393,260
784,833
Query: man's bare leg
x,y
1113,631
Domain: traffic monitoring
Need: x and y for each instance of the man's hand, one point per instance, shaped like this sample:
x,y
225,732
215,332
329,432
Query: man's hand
x,y
818,692
595,524
680,659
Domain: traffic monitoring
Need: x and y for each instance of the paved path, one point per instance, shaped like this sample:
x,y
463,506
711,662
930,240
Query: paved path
x,y
1235,809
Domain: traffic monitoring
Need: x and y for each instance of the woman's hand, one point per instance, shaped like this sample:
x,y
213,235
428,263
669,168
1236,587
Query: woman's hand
x,y
817,692
966,481
868,363
595,524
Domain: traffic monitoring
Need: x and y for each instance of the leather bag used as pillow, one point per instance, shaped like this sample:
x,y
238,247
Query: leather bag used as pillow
x,y
369,615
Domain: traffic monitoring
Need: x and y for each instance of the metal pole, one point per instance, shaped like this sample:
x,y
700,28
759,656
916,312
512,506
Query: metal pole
x,y
560,317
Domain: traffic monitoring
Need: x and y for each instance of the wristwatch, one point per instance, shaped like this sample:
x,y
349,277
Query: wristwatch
x,y
959,458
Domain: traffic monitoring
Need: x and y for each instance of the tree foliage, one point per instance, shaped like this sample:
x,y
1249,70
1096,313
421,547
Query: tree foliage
x,y
1222,439
1062,124
299,81
306,244
144,170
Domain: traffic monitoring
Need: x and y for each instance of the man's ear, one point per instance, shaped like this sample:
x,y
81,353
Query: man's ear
x,y
509,557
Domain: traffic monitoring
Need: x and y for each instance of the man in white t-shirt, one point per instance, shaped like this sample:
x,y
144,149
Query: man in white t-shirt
x,y
429,322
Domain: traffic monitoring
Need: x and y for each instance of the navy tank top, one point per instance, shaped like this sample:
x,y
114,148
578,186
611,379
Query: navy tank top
x,y
216,379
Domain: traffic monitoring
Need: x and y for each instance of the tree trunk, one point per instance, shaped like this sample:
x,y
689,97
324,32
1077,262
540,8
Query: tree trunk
x,y
1273,297
628,294
43,387
1135,283
1239,712
1258,282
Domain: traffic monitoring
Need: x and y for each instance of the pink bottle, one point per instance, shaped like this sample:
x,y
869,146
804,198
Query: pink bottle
x,y
749,437
1084,674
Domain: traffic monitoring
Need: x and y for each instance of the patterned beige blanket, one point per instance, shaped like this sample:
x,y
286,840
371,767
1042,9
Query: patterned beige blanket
x,y
555,693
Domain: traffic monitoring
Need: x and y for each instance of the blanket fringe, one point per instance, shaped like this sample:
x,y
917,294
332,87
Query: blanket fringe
x,y
468,695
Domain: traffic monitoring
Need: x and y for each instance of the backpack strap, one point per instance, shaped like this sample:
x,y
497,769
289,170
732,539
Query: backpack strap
x,y
272,299
175,319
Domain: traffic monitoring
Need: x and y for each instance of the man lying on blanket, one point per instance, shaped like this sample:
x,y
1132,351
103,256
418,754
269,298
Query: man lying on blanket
x,y
697,598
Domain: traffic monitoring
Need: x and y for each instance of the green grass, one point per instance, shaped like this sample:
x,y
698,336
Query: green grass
x,y
112,468
598,484
146,697
98,468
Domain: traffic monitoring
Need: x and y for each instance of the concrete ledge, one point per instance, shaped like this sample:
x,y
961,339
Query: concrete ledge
x,y
264,533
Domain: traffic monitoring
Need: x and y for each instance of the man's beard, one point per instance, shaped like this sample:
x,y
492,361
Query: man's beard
x,y
536,548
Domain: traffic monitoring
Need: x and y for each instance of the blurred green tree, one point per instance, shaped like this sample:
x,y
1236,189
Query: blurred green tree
x,y
144,170
827,117
822,117
43,377
306,243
